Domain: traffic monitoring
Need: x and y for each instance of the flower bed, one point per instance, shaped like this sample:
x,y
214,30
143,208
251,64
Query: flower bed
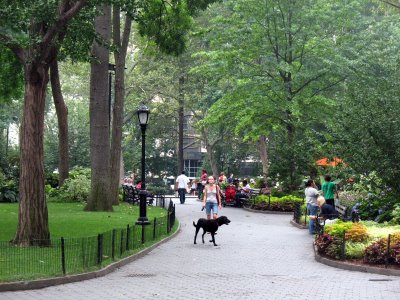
x,y
284,204
368,242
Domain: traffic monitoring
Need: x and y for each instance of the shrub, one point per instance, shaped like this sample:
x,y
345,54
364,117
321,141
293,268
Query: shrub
x,y
51,179
76,188
8,189
357,233
285,203
376,252
337,229
334,249
396,214
350,198
355,250
322,242
396,252
157,190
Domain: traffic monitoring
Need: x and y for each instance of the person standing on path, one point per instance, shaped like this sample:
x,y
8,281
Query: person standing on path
x,y
181,185
211,198
202,183
329,189
312,206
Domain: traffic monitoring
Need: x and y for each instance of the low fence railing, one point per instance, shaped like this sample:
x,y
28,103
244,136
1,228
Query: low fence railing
x,y
66,256
300,214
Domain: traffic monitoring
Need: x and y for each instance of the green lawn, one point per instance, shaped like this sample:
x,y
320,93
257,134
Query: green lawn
x,y
80,230
70,220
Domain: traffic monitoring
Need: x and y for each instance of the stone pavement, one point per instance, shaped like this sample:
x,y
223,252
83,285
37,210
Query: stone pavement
x,y
259,256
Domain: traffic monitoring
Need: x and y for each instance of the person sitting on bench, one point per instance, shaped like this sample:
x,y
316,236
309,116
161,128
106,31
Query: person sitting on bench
x,y
327,211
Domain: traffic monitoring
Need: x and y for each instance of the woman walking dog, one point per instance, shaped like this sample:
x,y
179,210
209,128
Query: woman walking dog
x,y
211,198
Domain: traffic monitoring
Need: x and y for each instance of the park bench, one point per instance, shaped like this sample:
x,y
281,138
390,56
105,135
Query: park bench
x,y
130,194
247,202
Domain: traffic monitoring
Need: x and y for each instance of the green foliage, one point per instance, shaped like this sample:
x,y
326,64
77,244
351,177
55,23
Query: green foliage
x,y
378,207
8,189
338,229
80,230
366,135
396,214
350,198
76,188
376,252
322,242
357,233
276,86
355,250
11,78
285,203
334,249
166,24
157,190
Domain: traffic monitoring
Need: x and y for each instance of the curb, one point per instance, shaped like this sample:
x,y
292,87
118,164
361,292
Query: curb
x,y
300,226
270,212
353,267
42,283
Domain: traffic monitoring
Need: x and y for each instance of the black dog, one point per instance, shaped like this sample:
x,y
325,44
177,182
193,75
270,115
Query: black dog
x,y
210,226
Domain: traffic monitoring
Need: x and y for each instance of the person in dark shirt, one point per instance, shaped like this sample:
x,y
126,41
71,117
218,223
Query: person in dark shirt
x,y
327,211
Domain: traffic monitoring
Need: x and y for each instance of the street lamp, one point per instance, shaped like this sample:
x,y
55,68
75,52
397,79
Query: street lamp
x,y
143,116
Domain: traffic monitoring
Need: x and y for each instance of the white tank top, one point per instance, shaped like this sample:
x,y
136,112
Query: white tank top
x,y
212,195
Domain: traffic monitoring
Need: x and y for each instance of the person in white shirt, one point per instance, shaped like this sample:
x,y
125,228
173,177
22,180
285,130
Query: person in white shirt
x,y
181,185
311,194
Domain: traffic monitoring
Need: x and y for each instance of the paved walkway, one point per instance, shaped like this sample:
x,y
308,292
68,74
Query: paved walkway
x,y
259,256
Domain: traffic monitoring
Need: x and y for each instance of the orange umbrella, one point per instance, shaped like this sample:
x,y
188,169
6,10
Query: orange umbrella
x,y
326,162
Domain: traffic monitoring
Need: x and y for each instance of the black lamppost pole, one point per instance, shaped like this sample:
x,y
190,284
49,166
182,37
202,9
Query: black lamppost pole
x,y
143,116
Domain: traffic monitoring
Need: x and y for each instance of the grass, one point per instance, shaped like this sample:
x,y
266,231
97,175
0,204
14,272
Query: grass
x,y
69,220
80,230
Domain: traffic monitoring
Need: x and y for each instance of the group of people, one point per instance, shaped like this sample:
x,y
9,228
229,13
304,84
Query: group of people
x,y
209,190
130,182
323,200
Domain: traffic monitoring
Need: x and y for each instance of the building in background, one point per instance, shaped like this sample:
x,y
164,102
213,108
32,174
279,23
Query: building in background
x,y
193,152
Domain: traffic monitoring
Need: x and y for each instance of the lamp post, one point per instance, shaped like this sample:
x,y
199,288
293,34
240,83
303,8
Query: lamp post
x,y
143,116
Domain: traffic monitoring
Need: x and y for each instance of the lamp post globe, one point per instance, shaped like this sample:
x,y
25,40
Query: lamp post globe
x,y
143,117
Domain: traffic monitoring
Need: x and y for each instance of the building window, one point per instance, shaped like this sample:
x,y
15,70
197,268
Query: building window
x,y
192,167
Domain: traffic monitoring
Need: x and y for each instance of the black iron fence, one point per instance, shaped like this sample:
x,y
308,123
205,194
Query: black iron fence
x,y
300,213
67,256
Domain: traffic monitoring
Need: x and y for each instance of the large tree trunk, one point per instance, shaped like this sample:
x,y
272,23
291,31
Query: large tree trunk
x,y
210,153
181,118
118,110
32,226
99,198
62,118
263,151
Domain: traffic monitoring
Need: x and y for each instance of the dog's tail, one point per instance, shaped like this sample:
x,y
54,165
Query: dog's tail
x,y
194,224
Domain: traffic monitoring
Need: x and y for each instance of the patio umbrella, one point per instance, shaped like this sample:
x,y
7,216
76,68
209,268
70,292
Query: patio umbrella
x,y
326,162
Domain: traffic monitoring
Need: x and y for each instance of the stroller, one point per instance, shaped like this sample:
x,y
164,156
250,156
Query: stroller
x,y
229,197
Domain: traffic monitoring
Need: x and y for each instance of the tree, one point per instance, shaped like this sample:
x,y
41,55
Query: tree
x,y
34,32
62,118
100,198
367,133
280,65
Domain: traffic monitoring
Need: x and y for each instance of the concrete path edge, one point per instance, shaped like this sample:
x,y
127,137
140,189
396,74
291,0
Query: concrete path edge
x,y
271,212
300,226
353,267
42,283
